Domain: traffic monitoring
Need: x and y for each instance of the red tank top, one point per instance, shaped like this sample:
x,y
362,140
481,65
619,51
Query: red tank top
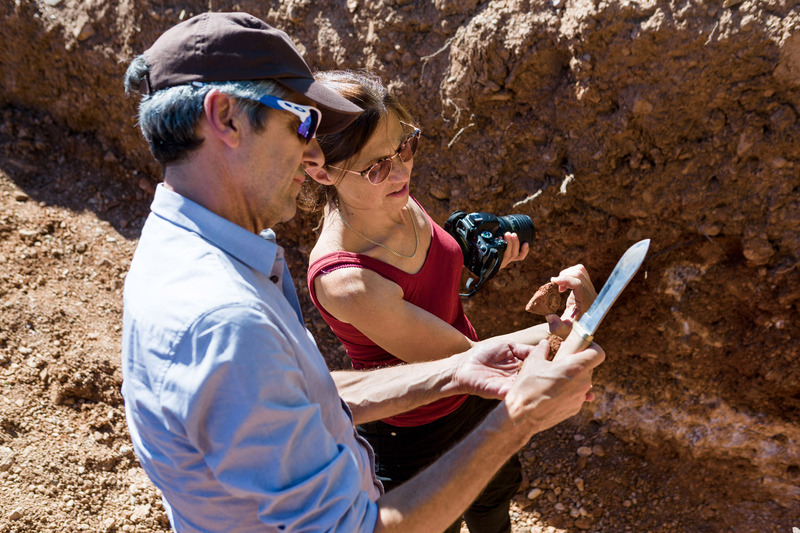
x,y
434,288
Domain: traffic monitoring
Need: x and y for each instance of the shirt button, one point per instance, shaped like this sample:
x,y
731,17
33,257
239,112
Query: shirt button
x,y
274,279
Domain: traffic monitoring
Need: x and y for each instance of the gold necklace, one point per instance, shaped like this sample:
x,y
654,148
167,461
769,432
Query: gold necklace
x,y
354,230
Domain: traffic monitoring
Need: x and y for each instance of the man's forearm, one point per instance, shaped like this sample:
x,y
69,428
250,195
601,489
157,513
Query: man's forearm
x,y
385,392
438,495
544,394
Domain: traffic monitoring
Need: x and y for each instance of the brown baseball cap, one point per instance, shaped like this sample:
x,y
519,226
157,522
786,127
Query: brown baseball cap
x,y
238,47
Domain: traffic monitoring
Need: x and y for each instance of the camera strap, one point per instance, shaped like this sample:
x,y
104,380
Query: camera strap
x,y
491,265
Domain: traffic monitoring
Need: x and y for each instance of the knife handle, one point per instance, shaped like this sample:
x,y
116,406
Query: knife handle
x,y
577,340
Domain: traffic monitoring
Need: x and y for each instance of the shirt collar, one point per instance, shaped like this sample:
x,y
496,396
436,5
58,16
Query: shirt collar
x,y
257,252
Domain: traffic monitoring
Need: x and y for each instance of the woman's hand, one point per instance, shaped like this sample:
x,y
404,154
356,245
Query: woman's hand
x,y
575,278
514,250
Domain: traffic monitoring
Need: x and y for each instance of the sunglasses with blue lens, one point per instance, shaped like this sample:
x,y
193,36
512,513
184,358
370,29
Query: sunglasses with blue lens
x,y
310,117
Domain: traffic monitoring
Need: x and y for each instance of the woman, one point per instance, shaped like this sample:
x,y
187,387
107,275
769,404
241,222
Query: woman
x,y
386,277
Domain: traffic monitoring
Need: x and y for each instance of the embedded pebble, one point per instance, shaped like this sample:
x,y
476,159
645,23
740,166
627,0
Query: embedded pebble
x,y
6,458
584,451
535,493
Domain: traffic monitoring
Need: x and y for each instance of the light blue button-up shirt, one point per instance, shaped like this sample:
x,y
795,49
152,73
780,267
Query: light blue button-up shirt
x,y
231,408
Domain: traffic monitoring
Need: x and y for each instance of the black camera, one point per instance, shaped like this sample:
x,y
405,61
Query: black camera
x,y
480,236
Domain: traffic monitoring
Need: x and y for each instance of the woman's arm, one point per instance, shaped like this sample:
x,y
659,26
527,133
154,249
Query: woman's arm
x,y
531,336
375,306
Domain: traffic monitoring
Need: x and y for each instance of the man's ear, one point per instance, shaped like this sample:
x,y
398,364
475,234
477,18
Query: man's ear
x,y
319,175
222,117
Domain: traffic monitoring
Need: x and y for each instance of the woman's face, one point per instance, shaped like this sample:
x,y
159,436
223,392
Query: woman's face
x,y
357,190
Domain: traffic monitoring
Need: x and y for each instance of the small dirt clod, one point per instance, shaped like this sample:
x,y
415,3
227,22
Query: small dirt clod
x,y
545,301
555,343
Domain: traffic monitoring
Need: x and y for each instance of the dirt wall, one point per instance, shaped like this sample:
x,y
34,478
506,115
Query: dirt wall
x,y
605,122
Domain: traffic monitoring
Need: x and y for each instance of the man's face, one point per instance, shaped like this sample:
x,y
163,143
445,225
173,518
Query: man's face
x,y
276,159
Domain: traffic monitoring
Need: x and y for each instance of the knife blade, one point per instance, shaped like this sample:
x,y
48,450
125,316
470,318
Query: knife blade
x,y
583,329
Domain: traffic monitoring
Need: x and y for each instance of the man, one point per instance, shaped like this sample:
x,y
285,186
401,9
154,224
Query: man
x,y
232,411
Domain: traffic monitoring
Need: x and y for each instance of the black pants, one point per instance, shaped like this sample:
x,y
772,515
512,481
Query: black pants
x,y
401,452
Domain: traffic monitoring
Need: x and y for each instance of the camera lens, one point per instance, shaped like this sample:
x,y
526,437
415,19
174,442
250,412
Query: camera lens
x,y
522,225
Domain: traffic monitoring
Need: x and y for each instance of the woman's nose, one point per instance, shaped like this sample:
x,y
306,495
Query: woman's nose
x,y
401,170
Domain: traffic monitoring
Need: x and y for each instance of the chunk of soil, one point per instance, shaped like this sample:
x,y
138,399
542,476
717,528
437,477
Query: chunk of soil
x,y
555,343
545,301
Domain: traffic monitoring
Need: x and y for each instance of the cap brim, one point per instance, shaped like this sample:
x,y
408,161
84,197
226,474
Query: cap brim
x,y
337,111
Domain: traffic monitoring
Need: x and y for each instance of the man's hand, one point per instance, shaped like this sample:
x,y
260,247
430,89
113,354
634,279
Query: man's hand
x,y
546,393
489,369
575,278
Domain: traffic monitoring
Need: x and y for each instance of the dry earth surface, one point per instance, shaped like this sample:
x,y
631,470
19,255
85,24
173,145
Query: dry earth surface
x,y
606,122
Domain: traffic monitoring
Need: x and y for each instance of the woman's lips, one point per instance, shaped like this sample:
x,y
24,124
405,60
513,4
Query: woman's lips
x,y
402,190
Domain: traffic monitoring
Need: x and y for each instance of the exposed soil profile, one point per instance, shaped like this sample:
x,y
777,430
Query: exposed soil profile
x,y
605,122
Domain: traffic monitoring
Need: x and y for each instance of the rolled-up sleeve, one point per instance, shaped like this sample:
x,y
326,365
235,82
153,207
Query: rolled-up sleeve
x,y
250,406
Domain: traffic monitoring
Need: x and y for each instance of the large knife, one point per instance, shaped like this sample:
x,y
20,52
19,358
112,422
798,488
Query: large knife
x,y
584,328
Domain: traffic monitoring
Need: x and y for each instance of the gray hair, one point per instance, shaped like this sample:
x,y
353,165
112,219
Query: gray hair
x,y
168,118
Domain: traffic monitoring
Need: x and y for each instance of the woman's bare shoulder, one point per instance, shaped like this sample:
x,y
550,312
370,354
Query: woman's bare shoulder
x,y
352,292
